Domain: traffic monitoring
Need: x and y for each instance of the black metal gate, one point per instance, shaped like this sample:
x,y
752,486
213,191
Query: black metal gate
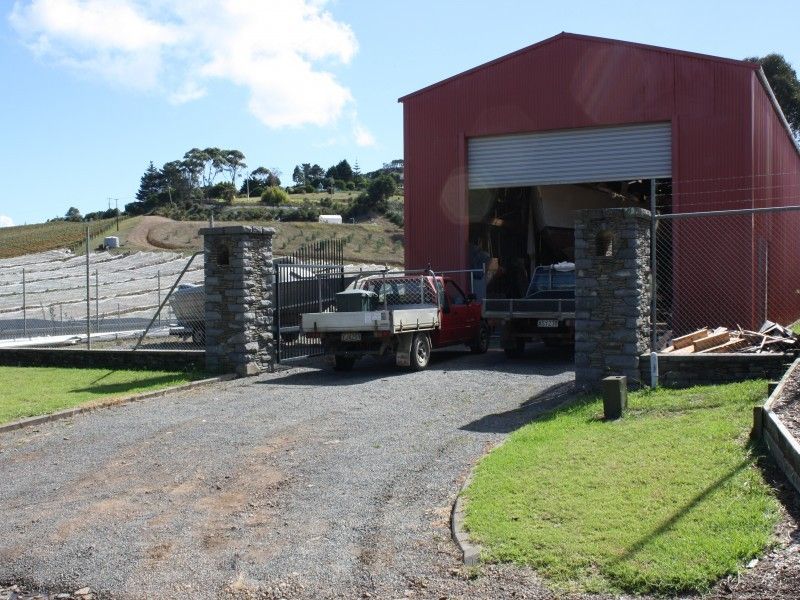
x,y
306,281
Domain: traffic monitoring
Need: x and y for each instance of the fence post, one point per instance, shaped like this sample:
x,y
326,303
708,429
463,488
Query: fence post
x,y
159,295
96,301
277,326
24,307
653,266
88,297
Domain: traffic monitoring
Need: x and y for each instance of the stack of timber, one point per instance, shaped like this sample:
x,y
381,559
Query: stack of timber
x,y
770,338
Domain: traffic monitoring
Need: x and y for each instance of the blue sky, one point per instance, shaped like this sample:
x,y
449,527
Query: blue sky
x,y
95,89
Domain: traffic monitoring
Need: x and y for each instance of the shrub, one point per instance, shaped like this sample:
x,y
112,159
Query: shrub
x,y
395,217
274,196
307,212
224,190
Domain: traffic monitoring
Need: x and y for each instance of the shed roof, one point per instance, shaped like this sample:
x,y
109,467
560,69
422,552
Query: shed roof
x,y
744,64
566,35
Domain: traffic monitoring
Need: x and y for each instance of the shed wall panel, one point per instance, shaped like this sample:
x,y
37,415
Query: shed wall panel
x,y
776,182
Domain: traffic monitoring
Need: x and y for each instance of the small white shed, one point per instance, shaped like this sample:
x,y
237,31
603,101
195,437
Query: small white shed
x,y
337,219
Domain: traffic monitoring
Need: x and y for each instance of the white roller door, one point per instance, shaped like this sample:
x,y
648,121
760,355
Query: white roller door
x,y
571,156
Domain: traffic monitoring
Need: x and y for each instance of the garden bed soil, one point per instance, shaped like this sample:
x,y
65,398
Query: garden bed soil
x,y
787,405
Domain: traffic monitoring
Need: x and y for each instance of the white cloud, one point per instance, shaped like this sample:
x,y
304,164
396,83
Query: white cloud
x,y
281,51
363,136
6,221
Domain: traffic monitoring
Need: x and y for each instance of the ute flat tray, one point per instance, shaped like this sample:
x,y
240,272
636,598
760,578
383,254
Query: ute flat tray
x,y
394,320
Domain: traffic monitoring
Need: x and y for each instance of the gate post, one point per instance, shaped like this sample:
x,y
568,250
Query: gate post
x,y
238,299
612,294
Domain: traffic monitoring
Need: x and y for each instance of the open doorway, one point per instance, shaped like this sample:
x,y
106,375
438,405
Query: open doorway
x,y
513,230
524,238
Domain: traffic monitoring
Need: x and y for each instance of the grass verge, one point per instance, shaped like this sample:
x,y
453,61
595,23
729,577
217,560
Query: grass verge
x,y
664,501
33,391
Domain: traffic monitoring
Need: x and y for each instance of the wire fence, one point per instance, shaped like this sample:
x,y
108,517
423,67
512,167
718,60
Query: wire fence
x,y
101,300
734,265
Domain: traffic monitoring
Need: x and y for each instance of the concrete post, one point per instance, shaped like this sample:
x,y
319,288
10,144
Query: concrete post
x,y
239,299
612,294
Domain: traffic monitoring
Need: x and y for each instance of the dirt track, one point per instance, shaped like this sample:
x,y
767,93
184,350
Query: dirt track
x,y
138,238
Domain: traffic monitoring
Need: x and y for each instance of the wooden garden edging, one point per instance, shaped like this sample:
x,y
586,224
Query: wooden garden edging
x,y
778,439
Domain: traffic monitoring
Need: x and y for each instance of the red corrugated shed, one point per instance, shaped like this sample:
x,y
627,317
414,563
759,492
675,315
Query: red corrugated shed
x,y
726,133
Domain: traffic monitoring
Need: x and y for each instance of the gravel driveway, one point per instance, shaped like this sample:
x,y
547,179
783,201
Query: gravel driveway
x,y
303,483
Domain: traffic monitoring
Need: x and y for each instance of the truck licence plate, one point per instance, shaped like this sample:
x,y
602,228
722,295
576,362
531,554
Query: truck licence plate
x,y
351,337
547,323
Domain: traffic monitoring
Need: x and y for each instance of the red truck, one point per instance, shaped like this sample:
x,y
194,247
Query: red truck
x,y
404,314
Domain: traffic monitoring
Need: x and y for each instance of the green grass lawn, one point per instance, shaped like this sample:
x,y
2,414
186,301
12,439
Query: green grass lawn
x,y
31,391
796,327
666,500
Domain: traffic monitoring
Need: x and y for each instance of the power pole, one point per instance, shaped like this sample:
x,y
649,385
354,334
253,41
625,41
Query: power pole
x,y
116,206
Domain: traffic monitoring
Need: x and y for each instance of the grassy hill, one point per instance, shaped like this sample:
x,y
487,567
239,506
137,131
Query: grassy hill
x,y
378,242
25,239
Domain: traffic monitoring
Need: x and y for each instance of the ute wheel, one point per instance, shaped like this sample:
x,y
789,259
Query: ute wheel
x,y
420,352
344,363
516,350
481,343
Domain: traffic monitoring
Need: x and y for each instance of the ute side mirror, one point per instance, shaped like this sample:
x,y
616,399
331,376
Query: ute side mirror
x,y
471,298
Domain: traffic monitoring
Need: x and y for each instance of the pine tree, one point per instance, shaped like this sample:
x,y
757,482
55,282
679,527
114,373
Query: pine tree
x,y
150,184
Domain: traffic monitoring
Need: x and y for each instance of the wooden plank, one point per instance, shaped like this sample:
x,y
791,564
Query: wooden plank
x,y
731,346
689,339
712,340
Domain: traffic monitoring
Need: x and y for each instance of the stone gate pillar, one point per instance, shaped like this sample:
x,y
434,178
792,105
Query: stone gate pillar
x,y
239,299
612,294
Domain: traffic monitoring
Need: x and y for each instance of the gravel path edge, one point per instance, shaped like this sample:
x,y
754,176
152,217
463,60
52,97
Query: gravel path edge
x,y
71,412
470,553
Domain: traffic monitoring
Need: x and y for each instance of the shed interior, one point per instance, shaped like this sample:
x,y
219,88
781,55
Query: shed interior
x,y
512,230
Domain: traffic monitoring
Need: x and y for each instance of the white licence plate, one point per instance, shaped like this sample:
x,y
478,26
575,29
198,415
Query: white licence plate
x,y
547,323
351,337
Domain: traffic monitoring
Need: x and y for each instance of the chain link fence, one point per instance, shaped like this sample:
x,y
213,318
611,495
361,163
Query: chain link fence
x,y
726,256
115,301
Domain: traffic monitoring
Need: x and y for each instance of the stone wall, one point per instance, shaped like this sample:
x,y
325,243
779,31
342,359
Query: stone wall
x,y
612,294
170,360
680,371
239,299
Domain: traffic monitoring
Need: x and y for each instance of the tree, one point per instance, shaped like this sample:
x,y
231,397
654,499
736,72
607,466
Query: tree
x,y
150,184
316,174
784,83
233,163
344,171
297,175
194,163
223,190
176,181
275,177
380,190
73,214
215,164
